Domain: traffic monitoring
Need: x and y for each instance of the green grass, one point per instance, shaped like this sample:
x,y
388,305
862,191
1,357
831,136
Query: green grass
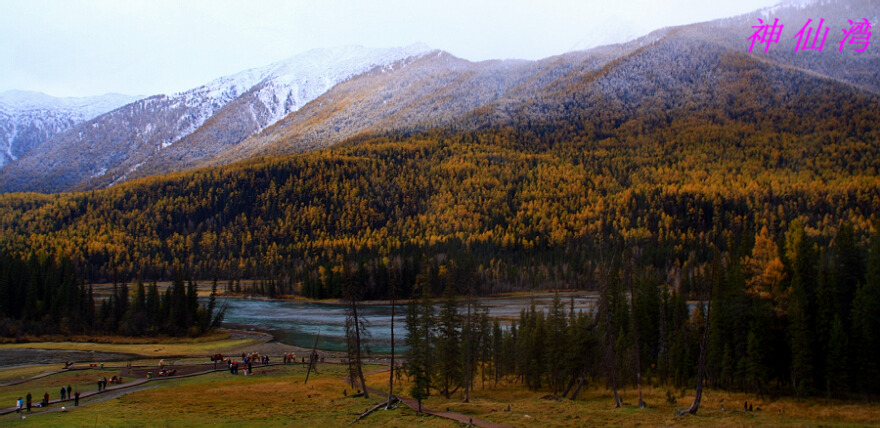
x,y
144,349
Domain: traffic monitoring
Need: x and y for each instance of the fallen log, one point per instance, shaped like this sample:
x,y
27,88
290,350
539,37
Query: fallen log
x,y
374,408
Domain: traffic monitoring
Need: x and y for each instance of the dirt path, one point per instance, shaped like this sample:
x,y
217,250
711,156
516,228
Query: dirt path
x,y
414,404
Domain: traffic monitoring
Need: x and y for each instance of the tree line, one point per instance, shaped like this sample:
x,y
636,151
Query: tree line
x,y
43,295
798,320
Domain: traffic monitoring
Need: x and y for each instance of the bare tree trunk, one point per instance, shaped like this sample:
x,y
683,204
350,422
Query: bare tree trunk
x,y
574,378
608,337
701,368
391,372
632,303
467,353
311,362
617,400
357,334
580,380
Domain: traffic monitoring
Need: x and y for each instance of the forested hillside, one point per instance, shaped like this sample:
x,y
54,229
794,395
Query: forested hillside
x,y
536,204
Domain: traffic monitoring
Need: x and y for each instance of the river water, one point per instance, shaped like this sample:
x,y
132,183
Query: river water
x,y
298,323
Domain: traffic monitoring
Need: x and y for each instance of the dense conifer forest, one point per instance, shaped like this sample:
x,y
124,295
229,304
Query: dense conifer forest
x,y
43,295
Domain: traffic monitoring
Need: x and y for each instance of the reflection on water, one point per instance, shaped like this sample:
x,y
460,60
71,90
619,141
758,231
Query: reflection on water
x,y
297,323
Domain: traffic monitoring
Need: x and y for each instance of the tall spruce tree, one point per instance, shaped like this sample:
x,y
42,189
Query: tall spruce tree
x,y
866,325
419,339
802,261
450,373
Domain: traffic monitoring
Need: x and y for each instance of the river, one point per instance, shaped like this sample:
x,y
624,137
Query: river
x,y
298,323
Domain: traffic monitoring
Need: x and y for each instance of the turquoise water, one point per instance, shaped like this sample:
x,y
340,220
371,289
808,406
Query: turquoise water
x,y
298,323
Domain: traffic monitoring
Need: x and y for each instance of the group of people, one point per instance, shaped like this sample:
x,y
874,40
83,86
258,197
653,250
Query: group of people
x,y
102,384
247,360
313,358
67,393
167,372
233,367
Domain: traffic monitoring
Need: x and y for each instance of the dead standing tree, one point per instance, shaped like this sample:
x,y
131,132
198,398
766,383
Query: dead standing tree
x,y
609,295
312,360
392,294
701,367
635,333
355,327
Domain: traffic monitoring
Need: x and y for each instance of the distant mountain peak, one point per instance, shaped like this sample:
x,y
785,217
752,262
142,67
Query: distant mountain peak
x,y
172,131
27,117
89,106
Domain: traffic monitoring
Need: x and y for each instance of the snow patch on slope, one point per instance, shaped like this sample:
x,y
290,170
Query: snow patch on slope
x,y
28,118
282,87
291,84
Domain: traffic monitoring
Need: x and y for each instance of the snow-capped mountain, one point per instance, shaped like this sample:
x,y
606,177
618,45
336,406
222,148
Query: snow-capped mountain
x,y
618,30
191,124
29,118
324,97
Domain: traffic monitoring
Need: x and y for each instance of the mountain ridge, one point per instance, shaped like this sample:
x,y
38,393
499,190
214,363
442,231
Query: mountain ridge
x,y
27,117
106,150
412,93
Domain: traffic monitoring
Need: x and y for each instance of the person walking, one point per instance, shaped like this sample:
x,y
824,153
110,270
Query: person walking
x,y
63,393
76,398
69,390
18,405
28,401
45,399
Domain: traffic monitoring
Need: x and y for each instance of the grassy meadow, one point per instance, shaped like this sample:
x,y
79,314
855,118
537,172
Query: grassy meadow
x,y
274,396
594,408
278,396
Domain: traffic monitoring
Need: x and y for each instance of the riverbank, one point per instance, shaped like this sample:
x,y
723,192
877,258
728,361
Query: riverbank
x,y
278,326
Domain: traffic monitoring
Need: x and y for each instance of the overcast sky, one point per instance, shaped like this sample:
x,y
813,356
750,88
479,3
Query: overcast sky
x,y
145,47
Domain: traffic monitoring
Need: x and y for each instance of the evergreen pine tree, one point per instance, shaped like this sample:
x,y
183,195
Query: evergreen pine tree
x,y
450,373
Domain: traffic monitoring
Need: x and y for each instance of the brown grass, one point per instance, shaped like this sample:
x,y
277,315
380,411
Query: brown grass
x,y
275,396
594,408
